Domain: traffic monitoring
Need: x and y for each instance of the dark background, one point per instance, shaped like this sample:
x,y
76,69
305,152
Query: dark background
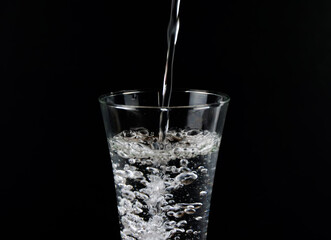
x,y
272,58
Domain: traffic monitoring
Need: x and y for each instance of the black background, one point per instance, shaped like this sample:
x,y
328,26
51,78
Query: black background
x,y
272,58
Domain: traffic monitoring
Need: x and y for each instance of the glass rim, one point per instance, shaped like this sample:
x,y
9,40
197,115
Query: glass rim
x,y
224,99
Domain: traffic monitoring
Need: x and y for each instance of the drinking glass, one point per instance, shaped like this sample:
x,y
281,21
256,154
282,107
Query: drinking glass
x,y
163,185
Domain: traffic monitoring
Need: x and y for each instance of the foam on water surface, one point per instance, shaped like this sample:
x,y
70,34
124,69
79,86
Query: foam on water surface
x,y
177,144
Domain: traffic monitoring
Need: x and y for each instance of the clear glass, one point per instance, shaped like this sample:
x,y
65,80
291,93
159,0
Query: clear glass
x,y
164,187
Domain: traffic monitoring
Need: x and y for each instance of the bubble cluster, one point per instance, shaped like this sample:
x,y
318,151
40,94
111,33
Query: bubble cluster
x,y
153,179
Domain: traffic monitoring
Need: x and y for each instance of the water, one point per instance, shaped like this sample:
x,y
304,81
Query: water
x,y
164,188
172,35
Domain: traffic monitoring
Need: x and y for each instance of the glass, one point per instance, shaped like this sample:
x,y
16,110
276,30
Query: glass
x,y
164,187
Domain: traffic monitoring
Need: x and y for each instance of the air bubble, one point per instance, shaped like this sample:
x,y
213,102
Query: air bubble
x,y
120,173
170,213
170,188
189,211
179,214
189,231
193,132
144,182
183,205
174,169
128,195
203,193
137,210
152,170
181,230
141,195
197,205
168,196
205,170
118,179
185,169
181,223
138,204
127,187
170,224
127,134
183,162
138,175
143,132
132,161
121,210
186,178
